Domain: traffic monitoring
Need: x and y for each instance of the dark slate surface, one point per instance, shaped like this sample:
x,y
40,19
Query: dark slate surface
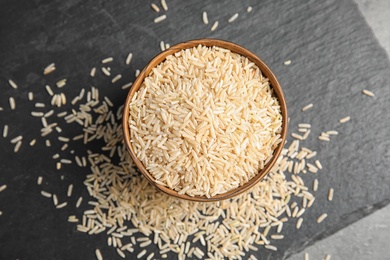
x,y
334,56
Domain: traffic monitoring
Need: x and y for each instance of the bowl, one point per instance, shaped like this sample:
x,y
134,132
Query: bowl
x,y
235,49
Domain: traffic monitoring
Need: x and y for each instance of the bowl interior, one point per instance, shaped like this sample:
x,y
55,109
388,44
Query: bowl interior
x,y
236,49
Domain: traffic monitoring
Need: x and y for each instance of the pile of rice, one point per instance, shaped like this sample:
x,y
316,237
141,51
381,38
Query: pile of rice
x,y
205,121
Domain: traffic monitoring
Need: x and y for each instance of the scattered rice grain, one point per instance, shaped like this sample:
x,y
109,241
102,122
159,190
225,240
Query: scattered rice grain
x,y
160,18
307,107
214,27
205,18
344,120
321,218
368,93
12,84
233,18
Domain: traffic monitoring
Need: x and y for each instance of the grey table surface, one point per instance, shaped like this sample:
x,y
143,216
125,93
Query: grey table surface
x,y
334,56
369,237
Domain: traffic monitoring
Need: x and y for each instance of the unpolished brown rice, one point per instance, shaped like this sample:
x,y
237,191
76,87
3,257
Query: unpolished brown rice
x,y
214,27
121,187
210,106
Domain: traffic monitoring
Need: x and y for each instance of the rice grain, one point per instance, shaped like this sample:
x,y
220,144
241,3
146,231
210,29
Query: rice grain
x,y
330,194
155,7
160,18
368,93
12,84
164,5
233,18
321,218
307,107
344,120
98,254
5,131
205,18
12,103
214,27
3,187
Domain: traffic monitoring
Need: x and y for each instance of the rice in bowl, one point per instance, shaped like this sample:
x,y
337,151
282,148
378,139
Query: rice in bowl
x,y
205,121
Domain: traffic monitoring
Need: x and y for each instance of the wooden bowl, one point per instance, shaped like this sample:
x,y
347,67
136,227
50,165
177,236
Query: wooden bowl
x,y
236,49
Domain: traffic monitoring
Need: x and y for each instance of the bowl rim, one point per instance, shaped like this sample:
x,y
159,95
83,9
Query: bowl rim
x,y
235,48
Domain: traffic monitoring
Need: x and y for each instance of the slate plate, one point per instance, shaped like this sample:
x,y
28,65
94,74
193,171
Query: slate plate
x,y
334,56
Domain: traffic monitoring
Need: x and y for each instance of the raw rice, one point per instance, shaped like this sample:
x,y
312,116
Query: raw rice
x,y
321,218
37,114
162,48
55,200
107,60
307,107
141,254
150,256
299,223
287,62
12,103
49,69
16,139
332,132
315,185
106,71
12,84
49,90
65,161
100,185
304,125
3,187
164,5
78,203
46,194
128,85
70,189
116,78
327,257
233,18
33,142
128,58
61,83
120,253
160,18
344,120
5,131
318,164
271,247
62,205
249,9
93,72
330,194
98,254
63,139
306,257
323,138
39,180
368,93
155,7
30,96
205,18
214,27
